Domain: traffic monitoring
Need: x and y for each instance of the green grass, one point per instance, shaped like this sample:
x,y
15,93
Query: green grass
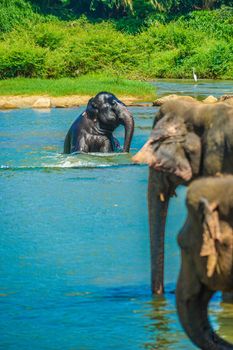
x,y
84,85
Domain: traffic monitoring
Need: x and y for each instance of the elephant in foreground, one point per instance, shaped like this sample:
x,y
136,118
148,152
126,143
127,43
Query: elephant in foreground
x,y
206,242
189,140
93,130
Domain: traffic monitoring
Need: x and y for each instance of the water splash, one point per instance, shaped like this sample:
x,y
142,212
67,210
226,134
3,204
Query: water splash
x,y
75,160
81,160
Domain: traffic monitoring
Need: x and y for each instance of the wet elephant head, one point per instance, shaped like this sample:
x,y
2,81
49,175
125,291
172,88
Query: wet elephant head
x,y
206,242
92,130
172,148
109,112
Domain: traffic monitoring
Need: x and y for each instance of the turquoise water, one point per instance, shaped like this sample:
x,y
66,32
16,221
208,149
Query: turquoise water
x,y
74,253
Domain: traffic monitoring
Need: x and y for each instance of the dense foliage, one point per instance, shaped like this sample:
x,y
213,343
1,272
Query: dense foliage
x,y
35,45
127,8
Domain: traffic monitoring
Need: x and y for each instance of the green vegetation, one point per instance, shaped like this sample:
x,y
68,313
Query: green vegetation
x,y
137,10
14,12
85,85
154,44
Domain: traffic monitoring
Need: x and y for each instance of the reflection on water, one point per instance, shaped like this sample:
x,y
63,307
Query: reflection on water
x,y
164,329
74,251
225,321
222,314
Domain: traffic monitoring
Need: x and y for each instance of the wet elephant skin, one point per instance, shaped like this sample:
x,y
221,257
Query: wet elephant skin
x,y
93,130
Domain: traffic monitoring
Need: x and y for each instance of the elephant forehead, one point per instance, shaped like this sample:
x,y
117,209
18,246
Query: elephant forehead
x,y
168,128
105,97
213,189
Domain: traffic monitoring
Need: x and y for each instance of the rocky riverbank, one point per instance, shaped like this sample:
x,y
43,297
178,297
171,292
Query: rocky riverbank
x,y
43,102
14,102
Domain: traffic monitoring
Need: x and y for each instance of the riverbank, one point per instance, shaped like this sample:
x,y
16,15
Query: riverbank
x,y
70,92
42,101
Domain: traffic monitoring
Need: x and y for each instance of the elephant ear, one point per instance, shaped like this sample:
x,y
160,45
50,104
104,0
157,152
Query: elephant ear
x,y
213,155
165,150
211,235
172,159
169,127
92,108
193,149
168,157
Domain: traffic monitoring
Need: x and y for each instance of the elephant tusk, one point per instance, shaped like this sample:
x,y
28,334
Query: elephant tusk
x,y
218,174
162,197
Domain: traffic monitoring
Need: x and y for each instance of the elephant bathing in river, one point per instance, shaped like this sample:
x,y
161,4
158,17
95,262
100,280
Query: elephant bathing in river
x,y
92,130
206,242
189,139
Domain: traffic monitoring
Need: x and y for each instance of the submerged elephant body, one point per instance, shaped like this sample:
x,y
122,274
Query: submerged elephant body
x,y
92,130
206,242
189,139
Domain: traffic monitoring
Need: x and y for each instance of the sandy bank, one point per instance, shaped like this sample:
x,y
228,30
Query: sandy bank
x,y
12,102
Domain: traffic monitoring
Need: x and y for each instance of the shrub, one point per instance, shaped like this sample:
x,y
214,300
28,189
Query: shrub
x,y
21,60
15,12
216,24
52,48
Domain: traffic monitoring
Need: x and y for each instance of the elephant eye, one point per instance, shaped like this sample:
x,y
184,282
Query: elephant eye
x,y
225,244
94,105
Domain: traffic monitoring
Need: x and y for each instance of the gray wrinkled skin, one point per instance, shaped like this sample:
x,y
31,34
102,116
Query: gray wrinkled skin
x,y
206,242
189,140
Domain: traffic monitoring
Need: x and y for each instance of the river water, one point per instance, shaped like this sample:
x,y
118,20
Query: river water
x,y
74,253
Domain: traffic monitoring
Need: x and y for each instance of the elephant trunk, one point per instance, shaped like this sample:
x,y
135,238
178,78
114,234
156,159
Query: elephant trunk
x,y
127,120
157,206
193,314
